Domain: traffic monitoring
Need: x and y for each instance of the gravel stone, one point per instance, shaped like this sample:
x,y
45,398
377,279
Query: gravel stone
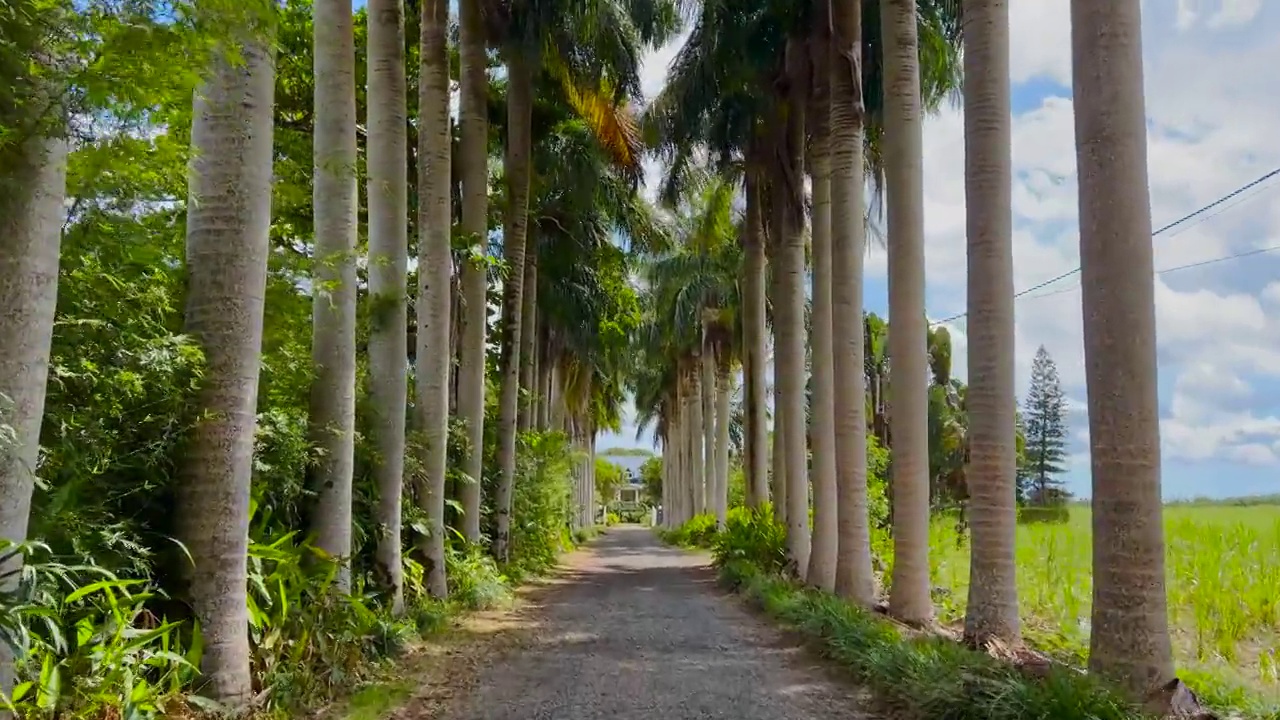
x,y
632,629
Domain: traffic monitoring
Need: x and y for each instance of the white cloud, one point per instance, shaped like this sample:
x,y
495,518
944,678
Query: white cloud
x,y
1212,107
1213,103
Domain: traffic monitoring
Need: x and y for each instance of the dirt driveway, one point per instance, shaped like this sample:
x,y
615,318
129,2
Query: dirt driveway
x,y
632,629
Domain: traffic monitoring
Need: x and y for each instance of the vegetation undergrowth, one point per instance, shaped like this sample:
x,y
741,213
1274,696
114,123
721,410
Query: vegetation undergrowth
x,y
99,637
923,676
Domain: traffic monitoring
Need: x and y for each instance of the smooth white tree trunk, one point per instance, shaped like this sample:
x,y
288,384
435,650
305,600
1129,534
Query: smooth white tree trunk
x,y
854,576
435,271
708,431
724,388
32,187
992,610
388,266
909,598
697,459
228,240
473,149
333,280
1130,641
822,559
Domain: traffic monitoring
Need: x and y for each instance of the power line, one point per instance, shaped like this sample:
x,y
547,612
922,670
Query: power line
x,y
1188,266
1163,229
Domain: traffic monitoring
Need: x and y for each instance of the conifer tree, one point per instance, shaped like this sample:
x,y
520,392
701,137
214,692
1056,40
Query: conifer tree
x,y
1046,432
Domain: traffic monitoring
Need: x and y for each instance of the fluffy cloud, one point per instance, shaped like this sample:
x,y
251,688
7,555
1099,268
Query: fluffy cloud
x,y
1212,107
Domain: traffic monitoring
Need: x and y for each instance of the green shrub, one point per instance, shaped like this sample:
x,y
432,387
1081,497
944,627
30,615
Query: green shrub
x,y
309,642
612,519
475,582
754,536
85,643
926,676
697,532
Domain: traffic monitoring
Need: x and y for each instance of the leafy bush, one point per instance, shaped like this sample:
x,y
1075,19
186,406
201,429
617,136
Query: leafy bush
x,y
475,582
85,643
923,676
309,641
697,532
541,503
754,536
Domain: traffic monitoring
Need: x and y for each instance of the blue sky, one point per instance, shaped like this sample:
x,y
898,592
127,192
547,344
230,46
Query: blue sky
x,y
1213,104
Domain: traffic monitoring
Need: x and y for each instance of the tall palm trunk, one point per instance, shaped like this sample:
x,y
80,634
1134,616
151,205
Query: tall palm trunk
x,y
575,447
909,598
473,147
521,62
1130,639
671,488
754,330
591,471
667,459
455,337
708,430
33,183
529,336
724,388
854,578
778,456
697,464
435,269
388,261
992,610
228,231
822,560
333,344
777,446
545,372
556,403
789,310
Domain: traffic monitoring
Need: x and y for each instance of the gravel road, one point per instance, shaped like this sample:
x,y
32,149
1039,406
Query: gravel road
x,y
632,629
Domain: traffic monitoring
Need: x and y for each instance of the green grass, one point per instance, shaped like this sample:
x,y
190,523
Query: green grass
x,y
377,700
1224,594
923,676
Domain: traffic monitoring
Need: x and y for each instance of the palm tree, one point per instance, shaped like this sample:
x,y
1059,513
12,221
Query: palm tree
x,y
1130,638
228,224
435,269
473,160
388,263
707,368
594,52
854,578
333,349
822,561
699,283
32,186
992,610
788,126
909,598
754,347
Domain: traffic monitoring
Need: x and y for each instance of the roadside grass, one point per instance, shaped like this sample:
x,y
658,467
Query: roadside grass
x,y
923,676
1223,570
1224,595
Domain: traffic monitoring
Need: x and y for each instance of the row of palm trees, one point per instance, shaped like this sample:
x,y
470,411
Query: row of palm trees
x,y
566,89
761,98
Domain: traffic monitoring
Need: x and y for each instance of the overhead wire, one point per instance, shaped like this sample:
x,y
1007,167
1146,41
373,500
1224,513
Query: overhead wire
x,y
1198,214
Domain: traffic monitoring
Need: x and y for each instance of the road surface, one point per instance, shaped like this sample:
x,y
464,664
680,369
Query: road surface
x,y
632,629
